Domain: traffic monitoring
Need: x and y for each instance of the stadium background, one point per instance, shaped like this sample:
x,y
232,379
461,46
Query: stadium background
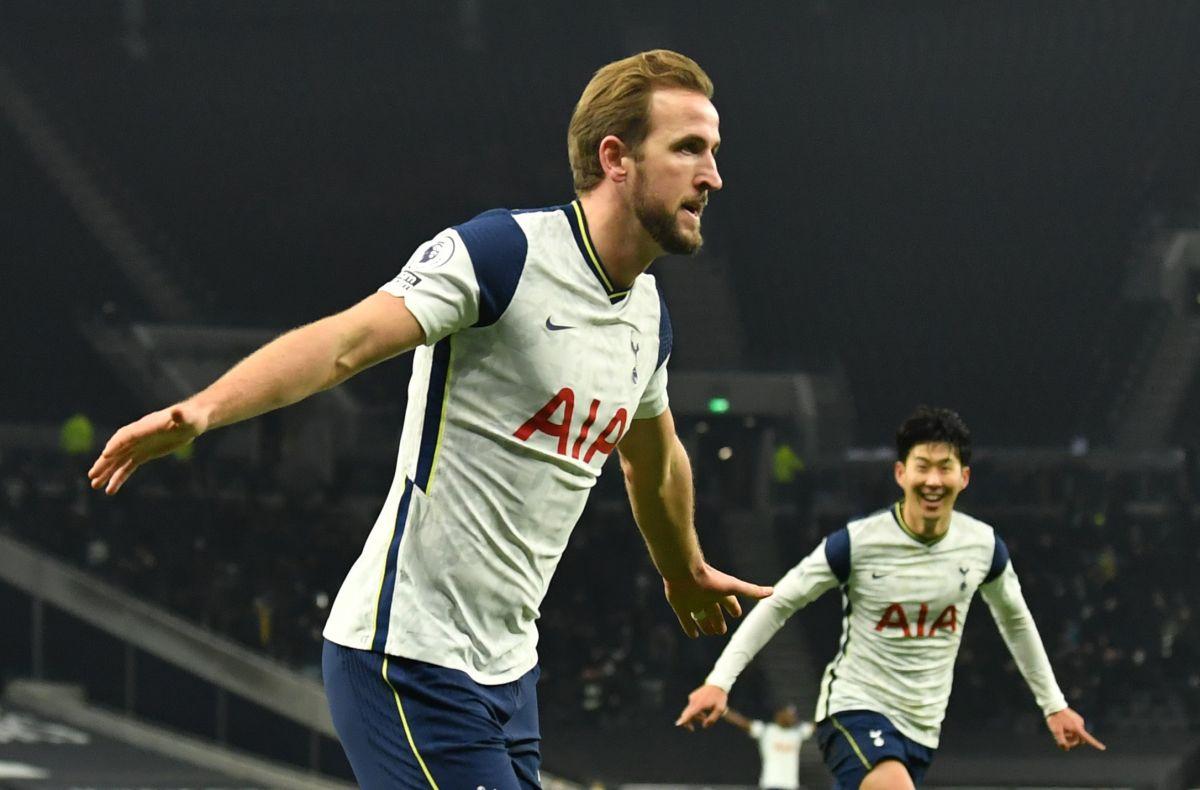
x,y
986,205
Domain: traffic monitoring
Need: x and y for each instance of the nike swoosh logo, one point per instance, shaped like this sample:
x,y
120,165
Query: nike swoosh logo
x,y
553,327
878,575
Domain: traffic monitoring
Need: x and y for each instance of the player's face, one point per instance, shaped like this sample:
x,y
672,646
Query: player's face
x,y
786,717
932,478
675,169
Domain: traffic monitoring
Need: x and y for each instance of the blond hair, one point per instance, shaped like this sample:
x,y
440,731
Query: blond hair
x,y
617,102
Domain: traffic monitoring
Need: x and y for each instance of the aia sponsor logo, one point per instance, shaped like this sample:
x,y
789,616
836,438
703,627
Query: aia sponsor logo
x,y
548,421
895,617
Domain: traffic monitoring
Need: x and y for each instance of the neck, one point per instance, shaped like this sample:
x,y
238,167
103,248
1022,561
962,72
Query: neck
x,y
624,247
926,529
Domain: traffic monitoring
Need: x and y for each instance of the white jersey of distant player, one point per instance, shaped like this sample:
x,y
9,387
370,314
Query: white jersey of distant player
x,y
534,367
779,748
905,605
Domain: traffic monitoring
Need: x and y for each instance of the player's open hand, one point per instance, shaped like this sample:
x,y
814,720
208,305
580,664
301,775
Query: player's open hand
x,y
1067,728
153,436
698,599
705,706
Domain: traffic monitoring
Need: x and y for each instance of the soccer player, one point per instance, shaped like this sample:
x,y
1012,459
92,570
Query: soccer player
x,y
541,347
779,744
907,575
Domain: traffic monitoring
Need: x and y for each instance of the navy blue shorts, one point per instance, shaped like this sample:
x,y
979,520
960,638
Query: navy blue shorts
x,y
855,741
410,724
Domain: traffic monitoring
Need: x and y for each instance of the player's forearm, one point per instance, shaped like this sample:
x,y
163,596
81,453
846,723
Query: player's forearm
x,y
663,503
286,370
1020,634
800,586
762,623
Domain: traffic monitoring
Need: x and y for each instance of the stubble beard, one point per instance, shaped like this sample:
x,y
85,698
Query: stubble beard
x,y
662,225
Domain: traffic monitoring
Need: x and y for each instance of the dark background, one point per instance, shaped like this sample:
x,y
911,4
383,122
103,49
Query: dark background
x,y
942,202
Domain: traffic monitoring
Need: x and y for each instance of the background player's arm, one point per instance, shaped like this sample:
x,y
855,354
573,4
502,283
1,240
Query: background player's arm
x,y
291,367
1013,618
658,477
736,719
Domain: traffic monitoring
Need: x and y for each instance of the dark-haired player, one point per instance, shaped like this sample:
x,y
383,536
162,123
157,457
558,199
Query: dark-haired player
x,y
907,575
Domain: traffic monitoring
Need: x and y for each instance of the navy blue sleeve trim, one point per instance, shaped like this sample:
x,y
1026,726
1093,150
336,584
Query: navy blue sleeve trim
x,y
665,338
837,554
999,561
498,247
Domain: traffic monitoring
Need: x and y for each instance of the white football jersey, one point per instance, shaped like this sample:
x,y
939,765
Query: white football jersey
x,y
905,605
779,748
534,366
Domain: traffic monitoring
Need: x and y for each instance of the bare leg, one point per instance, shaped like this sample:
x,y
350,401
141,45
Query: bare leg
x,y
888,775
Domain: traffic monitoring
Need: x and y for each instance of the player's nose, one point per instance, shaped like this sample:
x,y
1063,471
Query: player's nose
x,y
709,176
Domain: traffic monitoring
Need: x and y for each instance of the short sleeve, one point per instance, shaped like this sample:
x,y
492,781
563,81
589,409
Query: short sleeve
x,y
654,400
757,728
463,277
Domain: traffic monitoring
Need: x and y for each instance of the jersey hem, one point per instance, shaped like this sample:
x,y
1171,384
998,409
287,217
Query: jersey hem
x,y
481,678
879,711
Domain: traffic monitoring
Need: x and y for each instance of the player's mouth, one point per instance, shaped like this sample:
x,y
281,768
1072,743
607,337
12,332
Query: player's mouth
x,y
693,208
931,500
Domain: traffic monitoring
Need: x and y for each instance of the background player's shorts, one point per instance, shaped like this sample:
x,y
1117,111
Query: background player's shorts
x,y
410,724
855,741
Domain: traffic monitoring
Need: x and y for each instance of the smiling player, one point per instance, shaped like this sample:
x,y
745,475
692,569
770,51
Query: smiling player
x,y
907,575
542,346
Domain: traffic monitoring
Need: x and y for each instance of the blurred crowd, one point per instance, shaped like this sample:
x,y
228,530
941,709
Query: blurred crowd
x,y
1105,557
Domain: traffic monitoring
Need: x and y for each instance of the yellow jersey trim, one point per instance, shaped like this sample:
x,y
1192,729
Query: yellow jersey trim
x,y
407,731
838,725
899,513
593,258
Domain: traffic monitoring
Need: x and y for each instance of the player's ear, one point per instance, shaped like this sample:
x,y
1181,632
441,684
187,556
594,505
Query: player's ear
x,y
899,470
612,158
966,477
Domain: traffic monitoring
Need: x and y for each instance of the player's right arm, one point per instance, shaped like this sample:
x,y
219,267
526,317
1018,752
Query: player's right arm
x,y
799,587
301,362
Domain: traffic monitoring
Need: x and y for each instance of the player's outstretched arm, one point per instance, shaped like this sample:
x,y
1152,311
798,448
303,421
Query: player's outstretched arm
x,y
658,477
289,368
705,706
1067,728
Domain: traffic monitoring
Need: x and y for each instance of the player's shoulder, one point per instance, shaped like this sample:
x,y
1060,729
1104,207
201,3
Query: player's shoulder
x,y
980,536
874,525
496,246
499,230
968,529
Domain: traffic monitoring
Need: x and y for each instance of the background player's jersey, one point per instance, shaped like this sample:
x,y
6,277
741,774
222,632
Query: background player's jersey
x,y
534,367
905,603
779,748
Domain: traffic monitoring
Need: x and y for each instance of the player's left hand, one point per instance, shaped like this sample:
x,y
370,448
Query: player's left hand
x,y
1067,728
698,599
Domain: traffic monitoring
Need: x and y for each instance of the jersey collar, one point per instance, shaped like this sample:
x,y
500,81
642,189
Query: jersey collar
x,y
583,238
898,515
